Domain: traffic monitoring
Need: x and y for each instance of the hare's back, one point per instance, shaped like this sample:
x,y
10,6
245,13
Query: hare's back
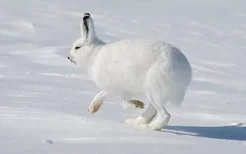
x,y
138,51
139,55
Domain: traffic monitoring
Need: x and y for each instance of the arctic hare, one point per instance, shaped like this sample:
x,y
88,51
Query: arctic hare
x,y
127,68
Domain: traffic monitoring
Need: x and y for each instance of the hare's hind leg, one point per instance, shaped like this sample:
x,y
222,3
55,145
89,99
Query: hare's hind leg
x,y
145,118
162,116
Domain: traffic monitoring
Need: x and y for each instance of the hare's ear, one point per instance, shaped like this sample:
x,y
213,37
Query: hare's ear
x,y
87,28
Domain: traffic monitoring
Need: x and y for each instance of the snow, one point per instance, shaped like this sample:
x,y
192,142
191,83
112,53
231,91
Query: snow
x,y
44,98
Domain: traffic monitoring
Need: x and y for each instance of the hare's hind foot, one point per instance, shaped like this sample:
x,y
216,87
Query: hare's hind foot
x,y
145,118
129,103
136,121
157,124
137,103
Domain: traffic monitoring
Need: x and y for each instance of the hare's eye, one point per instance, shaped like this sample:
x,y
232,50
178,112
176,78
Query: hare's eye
x,y
76,48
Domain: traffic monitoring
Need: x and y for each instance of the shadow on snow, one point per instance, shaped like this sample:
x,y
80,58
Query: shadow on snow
x,y
232,132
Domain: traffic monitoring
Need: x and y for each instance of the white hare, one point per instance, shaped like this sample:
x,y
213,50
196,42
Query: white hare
x,y
130,67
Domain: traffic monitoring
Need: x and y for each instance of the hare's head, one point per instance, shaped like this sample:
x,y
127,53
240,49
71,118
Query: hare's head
x,y
82,47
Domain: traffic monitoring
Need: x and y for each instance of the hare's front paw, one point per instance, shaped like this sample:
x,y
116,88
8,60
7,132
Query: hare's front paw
x,y
97,101
95,106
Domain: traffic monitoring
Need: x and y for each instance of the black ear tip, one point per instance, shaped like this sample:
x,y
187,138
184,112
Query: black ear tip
x,y
87,14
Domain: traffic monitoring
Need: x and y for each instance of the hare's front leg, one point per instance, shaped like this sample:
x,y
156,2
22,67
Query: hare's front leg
x,y
97,101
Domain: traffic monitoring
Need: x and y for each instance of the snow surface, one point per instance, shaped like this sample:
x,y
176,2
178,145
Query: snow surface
x,y
44,98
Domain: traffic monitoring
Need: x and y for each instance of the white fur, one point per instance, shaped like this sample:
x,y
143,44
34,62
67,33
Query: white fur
x,y
130,67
